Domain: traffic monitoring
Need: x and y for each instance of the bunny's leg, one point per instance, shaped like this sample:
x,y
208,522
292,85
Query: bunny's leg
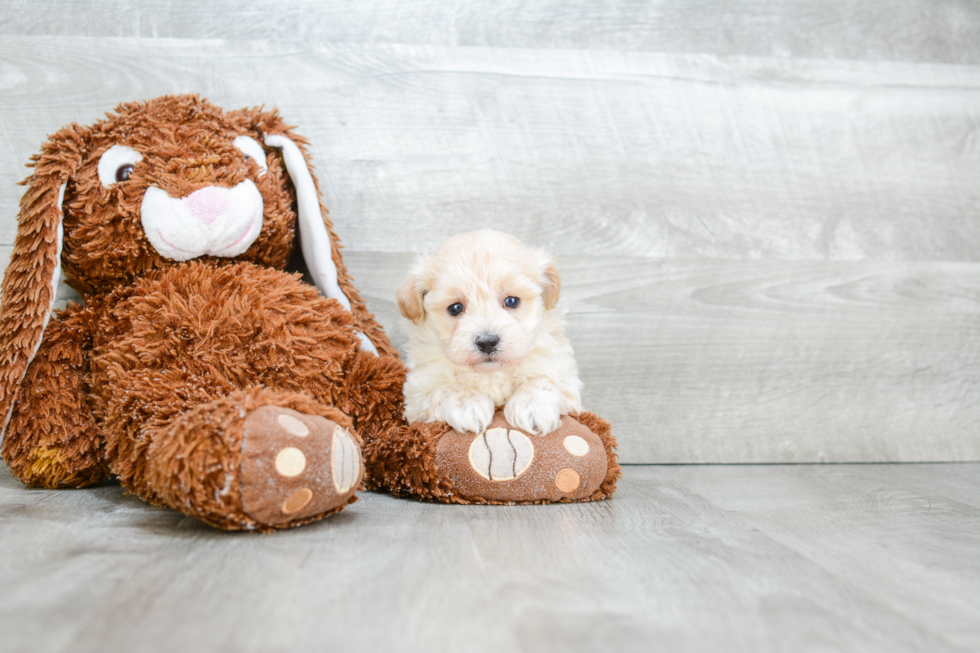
x,y
372,393
252,459
431,461
52,440
217,390
264,459
576,462
255,460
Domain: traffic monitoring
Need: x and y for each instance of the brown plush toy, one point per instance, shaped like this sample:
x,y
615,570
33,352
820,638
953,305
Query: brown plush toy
x,y
503,465
198,372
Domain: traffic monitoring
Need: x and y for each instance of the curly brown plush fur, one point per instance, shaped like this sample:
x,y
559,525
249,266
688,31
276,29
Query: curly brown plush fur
x,y
186,146
404,461
225,388
155,378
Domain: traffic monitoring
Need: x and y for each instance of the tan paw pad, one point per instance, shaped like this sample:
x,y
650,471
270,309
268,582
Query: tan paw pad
x,y
346,463
295,466
293,425
290,462
568,480
502,464
576,445
501,454
297,501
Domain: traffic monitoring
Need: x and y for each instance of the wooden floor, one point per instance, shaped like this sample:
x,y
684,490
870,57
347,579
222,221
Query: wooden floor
x,y
684,558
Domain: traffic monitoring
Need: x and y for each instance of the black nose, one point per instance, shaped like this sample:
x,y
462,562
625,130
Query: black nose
x,y
487,343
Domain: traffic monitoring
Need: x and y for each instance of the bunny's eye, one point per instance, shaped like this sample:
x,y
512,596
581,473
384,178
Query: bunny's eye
x,y
252,150
116,164
123,171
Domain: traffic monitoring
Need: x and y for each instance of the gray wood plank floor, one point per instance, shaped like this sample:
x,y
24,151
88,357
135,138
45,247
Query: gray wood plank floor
x,y
765,211
684,558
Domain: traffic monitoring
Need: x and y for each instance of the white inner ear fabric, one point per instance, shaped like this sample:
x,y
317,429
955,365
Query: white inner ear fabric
x,y
251,148
314,238
55,278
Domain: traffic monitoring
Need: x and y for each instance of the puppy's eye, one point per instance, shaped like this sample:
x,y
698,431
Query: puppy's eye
x,y
123,172
455,309
512,302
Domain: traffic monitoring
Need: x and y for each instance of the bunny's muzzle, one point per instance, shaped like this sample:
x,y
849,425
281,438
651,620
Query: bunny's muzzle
x,y
213,221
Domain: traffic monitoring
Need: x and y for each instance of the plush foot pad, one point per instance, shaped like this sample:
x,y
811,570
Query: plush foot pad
x,y
507,464
296,466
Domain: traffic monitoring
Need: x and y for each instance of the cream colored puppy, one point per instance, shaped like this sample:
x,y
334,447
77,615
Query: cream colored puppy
x,y
486,331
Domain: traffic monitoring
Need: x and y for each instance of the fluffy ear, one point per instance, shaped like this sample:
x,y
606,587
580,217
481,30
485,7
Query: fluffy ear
x,y
314,238
551,286
410,298
31,278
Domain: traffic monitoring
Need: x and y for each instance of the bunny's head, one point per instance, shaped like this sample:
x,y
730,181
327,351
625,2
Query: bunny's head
x,y
162,182
153,185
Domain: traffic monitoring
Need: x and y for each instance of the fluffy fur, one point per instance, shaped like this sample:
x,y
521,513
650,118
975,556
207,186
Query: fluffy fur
x,y
153,378
505,347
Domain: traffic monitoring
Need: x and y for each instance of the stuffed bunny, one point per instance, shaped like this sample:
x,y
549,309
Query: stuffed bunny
x,y
198,372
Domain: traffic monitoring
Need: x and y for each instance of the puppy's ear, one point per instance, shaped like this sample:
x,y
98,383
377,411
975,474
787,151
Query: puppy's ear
x,y
410,299
551,286
31,278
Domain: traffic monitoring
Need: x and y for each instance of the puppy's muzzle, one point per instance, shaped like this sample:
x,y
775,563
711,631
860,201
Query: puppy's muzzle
x,y
487,343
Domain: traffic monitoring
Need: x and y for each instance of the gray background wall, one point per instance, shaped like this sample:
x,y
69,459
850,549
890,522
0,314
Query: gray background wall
x,y
767,213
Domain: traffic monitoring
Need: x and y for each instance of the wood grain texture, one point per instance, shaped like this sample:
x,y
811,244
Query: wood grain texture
x,y
944,31
690,558
632,154
735,361
765,211
724,361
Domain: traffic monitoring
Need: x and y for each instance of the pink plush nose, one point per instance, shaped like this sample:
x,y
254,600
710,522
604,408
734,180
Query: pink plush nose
x,y
208,204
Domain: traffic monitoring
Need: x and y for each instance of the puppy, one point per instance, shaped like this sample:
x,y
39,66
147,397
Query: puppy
x,y
486,331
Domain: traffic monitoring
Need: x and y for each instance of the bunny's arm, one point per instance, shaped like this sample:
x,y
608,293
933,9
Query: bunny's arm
x,y
52,439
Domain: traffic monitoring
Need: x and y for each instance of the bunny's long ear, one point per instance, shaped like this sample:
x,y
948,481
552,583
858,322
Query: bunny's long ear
x,y
31,278
318,251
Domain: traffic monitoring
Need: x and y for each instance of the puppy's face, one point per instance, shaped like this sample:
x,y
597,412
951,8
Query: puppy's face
x,y
481,300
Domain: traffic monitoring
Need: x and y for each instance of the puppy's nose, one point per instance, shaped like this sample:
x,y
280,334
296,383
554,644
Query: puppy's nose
x,y
487,343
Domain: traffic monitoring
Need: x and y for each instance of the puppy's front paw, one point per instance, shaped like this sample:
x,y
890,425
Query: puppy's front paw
x,y
534,411
469,412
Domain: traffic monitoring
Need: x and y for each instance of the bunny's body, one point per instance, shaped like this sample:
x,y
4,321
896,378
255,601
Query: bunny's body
x,y
198,372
